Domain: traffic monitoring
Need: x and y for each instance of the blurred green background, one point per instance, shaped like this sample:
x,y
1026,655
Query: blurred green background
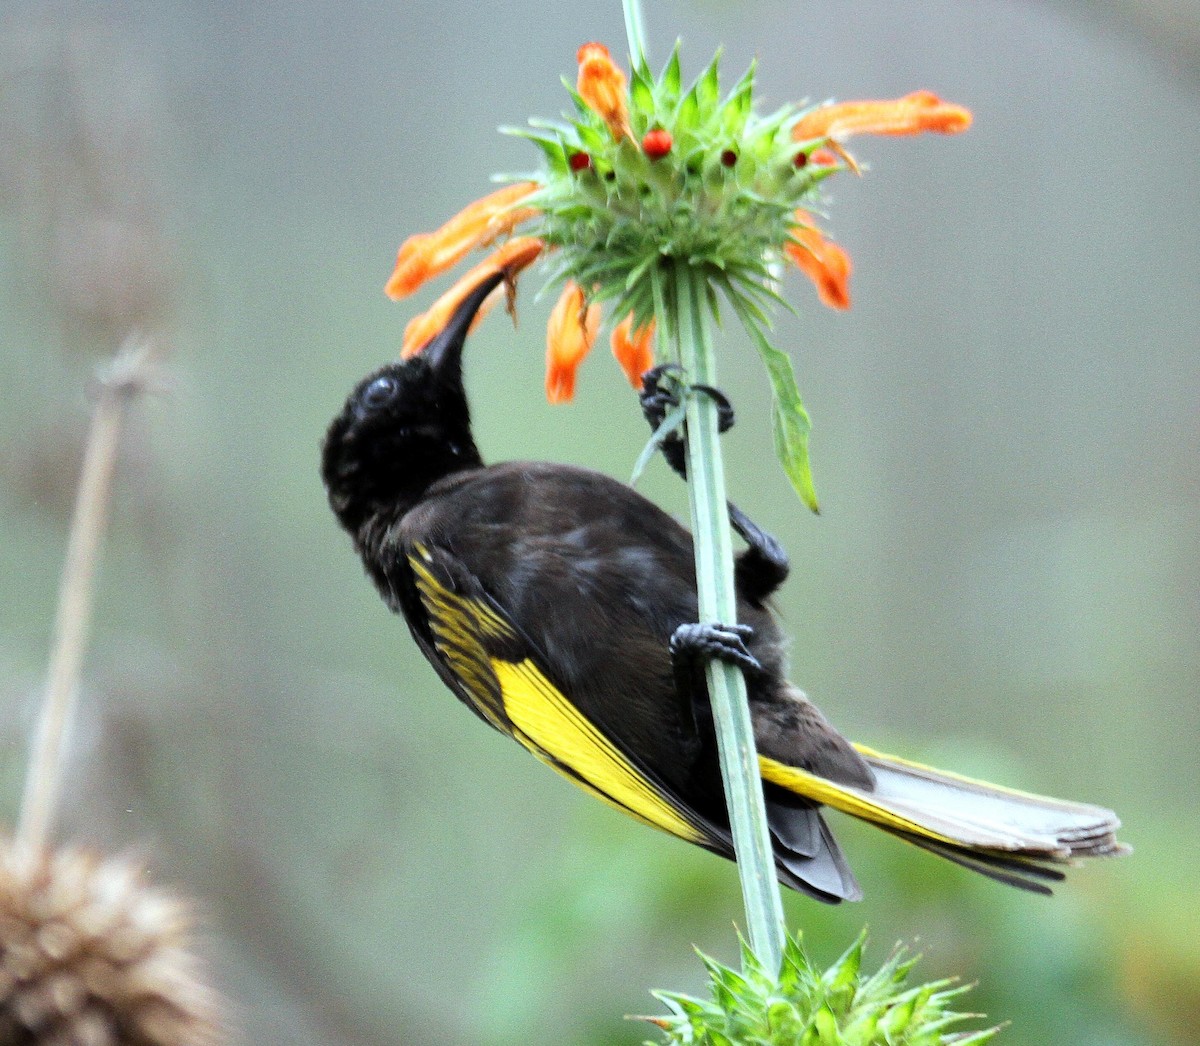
x,y
1005,578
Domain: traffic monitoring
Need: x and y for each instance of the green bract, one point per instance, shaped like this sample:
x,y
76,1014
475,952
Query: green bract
x,y
721,201
805,1007
723,197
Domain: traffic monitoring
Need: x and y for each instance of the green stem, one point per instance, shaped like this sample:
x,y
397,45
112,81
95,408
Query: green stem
x,y
718,603
635,30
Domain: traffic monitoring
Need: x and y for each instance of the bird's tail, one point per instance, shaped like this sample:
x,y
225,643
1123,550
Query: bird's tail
x,y
1015,837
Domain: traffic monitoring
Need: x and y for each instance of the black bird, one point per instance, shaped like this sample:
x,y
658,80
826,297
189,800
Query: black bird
x,y
559,605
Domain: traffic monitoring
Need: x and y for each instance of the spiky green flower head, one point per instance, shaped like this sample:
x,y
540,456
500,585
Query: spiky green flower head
x,y
691,176
651,193
804,1006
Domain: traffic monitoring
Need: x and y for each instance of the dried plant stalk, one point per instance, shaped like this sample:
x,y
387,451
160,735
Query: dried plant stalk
x,y
124,378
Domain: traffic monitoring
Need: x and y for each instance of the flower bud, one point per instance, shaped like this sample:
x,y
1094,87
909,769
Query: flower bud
x,y
602,86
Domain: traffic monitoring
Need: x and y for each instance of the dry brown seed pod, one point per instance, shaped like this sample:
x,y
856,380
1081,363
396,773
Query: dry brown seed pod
x,y
91,955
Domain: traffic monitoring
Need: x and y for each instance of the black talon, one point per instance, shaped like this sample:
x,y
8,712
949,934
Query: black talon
x,y
764,566
658,397
725,413
656,401
651,378
693,645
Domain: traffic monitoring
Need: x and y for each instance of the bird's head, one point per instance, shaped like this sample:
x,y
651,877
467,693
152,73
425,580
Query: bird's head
x,y
403,427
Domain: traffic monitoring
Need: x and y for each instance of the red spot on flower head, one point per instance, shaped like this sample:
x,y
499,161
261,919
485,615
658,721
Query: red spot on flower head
x,y
729,157
579,162
800,160
657,144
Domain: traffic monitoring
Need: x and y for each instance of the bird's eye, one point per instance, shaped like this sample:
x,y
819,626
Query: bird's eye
x,y
380,392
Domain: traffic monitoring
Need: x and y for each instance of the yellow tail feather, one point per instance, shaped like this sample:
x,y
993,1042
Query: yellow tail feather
x,y
959,813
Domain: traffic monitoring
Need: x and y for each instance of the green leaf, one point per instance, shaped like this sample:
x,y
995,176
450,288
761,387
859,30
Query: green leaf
x,y
737,107
751,964
687,115
790,423
670,423
550,145
790,420
685,1005
708,86
763,291
592,138
724,976
671,77
826,1024
638,271
641,92
845,970
974,1038
581,107
899,1017
714,303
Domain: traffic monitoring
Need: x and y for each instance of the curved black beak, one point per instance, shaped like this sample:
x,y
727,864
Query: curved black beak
x,y
444,351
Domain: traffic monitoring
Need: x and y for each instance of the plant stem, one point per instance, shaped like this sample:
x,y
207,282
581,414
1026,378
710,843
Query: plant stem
x,y
635,30
124,377
718,603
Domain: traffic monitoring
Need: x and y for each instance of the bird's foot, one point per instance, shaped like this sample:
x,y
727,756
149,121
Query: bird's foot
x,y
694,645
661,392
764,566
661,388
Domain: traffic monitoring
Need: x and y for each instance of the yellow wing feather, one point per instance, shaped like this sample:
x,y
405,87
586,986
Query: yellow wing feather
x,y
518,700
548,724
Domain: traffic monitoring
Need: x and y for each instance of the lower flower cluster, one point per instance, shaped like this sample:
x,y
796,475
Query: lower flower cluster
x,y
803,1006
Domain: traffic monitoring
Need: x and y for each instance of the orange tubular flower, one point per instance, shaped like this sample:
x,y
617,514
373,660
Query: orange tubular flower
x,y
510,259
913,114
601,85
570,334
822,261
634,350
428,254
717,132
825,263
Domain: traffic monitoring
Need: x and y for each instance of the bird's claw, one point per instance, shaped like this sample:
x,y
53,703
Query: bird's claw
x,y
692,644
661,388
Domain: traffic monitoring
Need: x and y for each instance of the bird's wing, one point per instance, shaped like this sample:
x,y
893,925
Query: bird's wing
x,y
495,669
492,665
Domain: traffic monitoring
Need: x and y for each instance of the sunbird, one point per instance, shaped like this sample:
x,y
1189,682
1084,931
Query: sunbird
x,y
560,606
